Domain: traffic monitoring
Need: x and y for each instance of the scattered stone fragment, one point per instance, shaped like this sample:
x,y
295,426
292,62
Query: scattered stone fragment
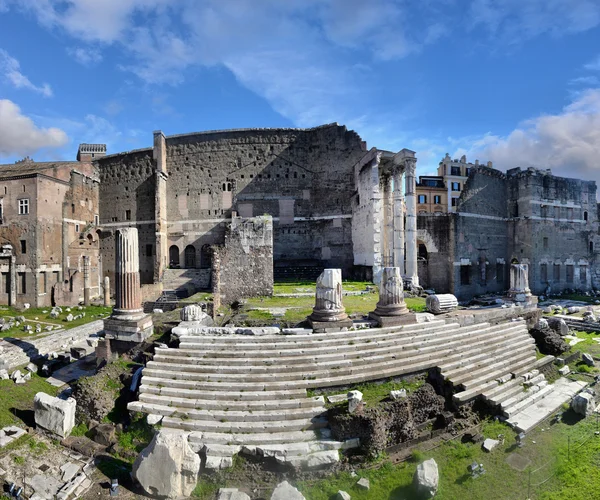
x,y
285,491
583,403
354,401
363,484
232,494
69,318
154,419
427,478
4,375
167,467
489,444
397,395
69,471
104,434
157,311
565,370
342,495
54,414
542,324
587,359
573,310
32,367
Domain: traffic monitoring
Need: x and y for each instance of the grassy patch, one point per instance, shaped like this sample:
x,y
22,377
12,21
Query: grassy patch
x,y
16,399
206,490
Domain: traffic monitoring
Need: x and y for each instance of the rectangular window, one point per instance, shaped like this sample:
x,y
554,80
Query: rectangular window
x,y
422,199
467,171
556,274
545,240
43,283
96,220
465,275
127,214
23,206
499,272
1,210
6,281
569,213
149,249
456,186
114,219
437,199
22,282
76,228
543,273
570,273
55,277
23,246
454,170
583,274
557,212
454,200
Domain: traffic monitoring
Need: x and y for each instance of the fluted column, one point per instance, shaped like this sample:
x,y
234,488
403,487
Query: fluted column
x,y
411,221
391,294
86,280
398,221
519,282
128,298
387,219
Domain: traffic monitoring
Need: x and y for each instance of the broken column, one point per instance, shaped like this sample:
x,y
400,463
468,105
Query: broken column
x,y
329,313
54,414
442,303
412,274
391,309
519,284
106,291
86,280
128,321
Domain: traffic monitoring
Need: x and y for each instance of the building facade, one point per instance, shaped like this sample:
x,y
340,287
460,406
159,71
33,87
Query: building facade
x,y
432,196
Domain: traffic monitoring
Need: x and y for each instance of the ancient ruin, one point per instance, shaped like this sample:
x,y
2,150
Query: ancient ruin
x,y
391,309
329,313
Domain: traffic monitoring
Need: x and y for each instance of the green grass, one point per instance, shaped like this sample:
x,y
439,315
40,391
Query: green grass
x,y
206,490
15,398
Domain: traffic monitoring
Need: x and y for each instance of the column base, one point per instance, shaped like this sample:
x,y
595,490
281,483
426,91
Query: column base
x,y
129,330
384,321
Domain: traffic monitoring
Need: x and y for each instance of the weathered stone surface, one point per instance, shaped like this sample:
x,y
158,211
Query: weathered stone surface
x,y
342,495
363,484
542,324
194,312
573,310
426,477
588,359
439,304
328,298
322,459
489,444
565,370
583,403
167,467
232,494
54,414
285,491
396,395
154,419
549,341
104,434
559,326
354,401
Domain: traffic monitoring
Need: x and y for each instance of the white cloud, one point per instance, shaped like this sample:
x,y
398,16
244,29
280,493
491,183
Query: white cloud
x,y
86,56
10,69
19,135
593,65
517,20
567,142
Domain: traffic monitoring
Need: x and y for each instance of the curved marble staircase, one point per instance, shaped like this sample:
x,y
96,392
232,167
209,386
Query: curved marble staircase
x,y
235,392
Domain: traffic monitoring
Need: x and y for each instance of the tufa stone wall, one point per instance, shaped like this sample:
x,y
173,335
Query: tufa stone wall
x,y
243,266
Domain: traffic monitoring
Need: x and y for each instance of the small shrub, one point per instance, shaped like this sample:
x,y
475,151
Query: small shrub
x,y
417,456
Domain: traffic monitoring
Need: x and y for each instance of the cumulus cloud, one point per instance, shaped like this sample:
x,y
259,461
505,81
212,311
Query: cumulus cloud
x,y
86,56
567,142
517,20
19,135
10,69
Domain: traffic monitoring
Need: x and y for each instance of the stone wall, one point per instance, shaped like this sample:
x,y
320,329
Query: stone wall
x,y
436,234
243,266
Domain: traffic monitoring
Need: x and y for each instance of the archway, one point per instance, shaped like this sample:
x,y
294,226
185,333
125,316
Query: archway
x,y
174,256
205,257
190,257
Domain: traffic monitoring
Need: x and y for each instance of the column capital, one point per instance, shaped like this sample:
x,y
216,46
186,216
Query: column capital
x,y
410,165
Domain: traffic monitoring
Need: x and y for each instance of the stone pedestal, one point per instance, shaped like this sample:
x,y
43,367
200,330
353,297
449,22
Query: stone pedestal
x,y
391,309
128,321
519,285
86,280
329,313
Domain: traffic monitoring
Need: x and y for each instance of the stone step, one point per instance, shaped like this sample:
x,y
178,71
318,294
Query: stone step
x,y
262,342
500,369
199,351
207,404
478,370
272,358
502,348
521,405
225,415
199,438
505,391
156,386
518,396
244,427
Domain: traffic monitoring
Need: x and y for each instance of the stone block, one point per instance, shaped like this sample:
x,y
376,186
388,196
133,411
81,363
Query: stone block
x,y
354,401
397,395
54,414
427,478
565,370
583,404
489,444
588,359
167,467
232,494
285,491
363,484
342,495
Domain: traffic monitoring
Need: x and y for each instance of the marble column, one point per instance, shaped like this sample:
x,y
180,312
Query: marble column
x,y
86,280
411,221
128,321
391,295
106,291
519,283
329,313
387,228
398,221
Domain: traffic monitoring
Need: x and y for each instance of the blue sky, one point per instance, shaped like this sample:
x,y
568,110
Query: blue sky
x,y
512,81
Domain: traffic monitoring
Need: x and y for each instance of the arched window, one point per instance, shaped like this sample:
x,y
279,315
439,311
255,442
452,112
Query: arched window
x,y
174,256
190,257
